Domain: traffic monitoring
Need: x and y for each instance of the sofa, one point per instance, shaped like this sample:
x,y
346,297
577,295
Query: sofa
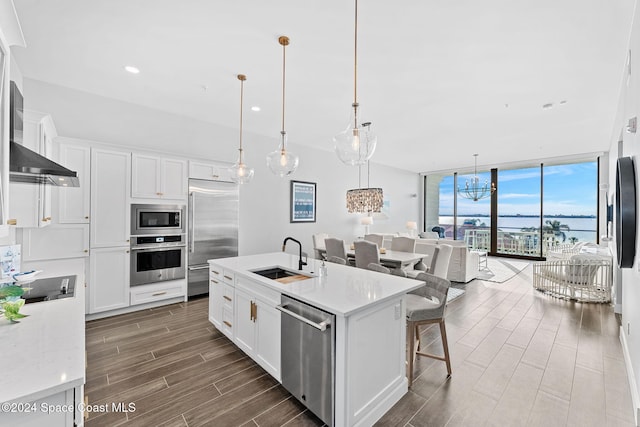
x,y
463,266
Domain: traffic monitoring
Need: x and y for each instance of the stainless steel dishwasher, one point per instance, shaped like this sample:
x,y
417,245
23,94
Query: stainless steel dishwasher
x,y
308,356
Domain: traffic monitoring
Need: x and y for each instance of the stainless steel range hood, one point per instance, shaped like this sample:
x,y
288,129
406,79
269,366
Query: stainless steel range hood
x,y
30,167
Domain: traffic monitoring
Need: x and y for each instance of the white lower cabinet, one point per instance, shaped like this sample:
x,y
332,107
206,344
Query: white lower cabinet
x,y
109,279
221,299
143,294
257,324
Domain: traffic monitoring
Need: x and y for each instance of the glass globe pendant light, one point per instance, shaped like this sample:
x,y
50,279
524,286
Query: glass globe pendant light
x,y
282,162
240,172
356,144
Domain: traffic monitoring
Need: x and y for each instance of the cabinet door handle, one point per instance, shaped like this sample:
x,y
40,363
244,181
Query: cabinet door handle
x,y
226,323
214,272
126,252
86,217
214,281
227,298
254,311
86,251
46,219
157,294
227,277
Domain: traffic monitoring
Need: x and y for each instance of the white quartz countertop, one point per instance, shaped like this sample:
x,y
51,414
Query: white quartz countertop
x,y
343,291
44,353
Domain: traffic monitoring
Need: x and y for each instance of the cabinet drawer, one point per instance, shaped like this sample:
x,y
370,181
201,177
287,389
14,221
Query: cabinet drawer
x,y
227,322
144,294
228,277
227,297
215,272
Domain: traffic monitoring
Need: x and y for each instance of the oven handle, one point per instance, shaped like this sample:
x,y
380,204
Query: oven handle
x,y
192,234
202,267
158,248
322,326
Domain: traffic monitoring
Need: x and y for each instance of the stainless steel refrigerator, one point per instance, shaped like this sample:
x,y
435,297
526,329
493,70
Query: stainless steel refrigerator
x,y
213,228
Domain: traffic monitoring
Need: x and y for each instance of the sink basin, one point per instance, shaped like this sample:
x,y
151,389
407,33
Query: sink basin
x,y
281,275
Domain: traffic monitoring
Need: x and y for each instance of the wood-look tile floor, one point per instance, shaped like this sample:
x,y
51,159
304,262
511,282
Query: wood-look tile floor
x,y
519,357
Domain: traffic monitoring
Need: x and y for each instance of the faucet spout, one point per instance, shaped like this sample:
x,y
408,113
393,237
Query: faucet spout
x,y
284,245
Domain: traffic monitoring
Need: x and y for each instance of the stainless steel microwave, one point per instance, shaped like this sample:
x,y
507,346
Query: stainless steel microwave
x,y
157,219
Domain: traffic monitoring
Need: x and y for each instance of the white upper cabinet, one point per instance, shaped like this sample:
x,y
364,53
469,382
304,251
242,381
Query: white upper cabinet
x,y
158,178
110,186
209,171
31,203
74,202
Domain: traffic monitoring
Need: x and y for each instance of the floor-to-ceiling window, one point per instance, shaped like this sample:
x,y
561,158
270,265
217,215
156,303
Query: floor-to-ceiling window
x,y
570,203
474,215
519,198
537,208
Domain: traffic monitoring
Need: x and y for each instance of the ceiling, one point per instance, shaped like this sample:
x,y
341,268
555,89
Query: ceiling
x,y
440,80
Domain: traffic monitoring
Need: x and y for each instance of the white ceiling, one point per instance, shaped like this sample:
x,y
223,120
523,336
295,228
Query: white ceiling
x,y
440,80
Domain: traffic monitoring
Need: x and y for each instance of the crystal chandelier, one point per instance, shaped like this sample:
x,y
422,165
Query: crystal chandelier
x,y
473,190
356,144
282,162
364,200
240,172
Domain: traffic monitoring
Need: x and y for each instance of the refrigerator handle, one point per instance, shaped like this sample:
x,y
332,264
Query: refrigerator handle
x,y
192,205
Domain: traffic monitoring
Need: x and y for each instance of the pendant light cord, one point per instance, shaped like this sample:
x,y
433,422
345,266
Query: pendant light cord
x,y
284,41
284,61
355,59
242,78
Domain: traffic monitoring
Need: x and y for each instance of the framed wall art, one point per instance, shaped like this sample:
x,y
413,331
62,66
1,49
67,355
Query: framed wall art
x,y
303,201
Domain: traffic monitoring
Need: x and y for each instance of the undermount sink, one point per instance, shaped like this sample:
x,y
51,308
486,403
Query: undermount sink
x,y
281,275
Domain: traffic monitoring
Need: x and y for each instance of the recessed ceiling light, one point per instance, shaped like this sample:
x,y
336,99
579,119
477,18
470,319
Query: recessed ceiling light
x,y
132,69
255,108
547,106
564,101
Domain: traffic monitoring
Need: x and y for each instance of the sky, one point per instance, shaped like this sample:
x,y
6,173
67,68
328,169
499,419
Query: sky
x,y
568,190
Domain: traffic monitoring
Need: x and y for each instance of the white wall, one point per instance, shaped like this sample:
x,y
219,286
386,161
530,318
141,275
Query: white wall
x,y
629,106
264,205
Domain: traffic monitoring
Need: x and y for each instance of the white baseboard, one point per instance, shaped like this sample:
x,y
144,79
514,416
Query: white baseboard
x,y
633,386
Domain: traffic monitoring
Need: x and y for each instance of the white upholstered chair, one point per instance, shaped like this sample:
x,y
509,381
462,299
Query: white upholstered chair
x,y
366,253
335,248
337,260
403,244
441,266
318,244
426,305
375,238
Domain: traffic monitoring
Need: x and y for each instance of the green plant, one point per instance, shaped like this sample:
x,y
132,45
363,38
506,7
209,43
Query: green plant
x,y
10,302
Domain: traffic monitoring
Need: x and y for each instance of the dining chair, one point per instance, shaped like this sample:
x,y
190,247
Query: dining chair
x,y
403,244
378,267
335,248
337,260
318,244
382,269
426,305
366,253
421,267
441,266
375,238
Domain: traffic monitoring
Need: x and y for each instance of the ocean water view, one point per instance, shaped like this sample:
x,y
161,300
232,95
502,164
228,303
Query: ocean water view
x,y
582,228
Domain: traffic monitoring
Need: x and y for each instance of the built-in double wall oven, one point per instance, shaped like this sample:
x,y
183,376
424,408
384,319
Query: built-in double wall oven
x,y
158,243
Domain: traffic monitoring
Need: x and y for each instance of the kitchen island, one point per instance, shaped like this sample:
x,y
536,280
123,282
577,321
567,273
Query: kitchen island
x,y
369,372
43,363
